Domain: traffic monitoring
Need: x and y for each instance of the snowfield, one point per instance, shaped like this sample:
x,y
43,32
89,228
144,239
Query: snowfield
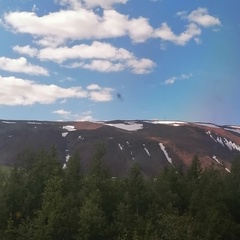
x,y
129,126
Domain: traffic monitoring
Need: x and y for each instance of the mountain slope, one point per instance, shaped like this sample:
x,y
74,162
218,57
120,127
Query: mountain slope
x,y
154,144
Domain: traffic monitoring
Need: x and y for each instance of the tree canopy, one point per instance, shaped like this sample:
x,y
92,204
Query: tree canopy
x,y
40,200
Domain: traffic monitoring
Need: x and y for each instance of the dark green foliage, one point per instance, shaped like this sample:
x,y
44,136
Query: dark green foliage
x,y
41,201
92,220
195,169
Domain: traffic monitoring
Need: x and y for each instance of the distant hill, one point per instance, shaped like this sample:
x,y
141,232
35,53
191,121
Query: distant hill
x,y
153,144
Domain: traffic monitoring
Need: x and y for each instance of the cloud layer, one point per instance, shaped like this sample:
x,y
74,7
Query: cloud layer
x,y
64,25
52,32
78,35
99,56
16,91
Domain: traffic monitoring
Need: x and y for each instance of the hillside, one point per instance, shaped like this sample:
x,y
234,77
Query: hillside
x,y
153,144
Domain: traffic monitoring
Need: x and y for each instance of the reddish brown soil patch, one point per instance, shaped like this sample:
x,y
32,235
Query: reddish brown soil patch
x,y
86,125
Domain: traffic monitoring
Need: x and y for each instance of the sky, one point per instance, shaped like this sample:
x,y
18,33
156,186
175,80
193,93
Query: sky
x,y
91,60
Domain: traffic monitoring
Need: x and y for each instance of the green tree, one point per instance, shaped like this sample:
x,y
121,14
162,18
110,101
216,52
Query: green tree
x,y
49,223
195,169
73,178
232,190
92,223
135,190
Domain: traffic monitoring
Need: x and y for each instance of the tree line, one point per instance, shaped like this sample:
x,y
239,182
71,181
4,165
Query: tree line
x,y
40,200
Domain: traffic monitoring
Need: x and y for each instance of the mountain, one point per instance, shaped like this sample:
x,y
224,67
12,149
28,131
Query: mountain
x,y
153,144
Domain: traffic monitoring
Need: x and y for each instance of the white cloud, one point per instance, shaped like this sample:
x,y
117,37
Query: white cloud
x,y
197,18
26,50
201,17
97,50
100,56
141,66
63,113
15,91
21,65
173,79
98,94
56,27
85,116
101,96
139,29
170,81
185,76
49,41
166,34
93,87
181,13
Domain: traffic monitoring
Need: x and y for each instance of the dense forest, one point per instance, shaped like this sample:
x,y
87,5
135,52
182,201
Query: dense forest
x,y
40,200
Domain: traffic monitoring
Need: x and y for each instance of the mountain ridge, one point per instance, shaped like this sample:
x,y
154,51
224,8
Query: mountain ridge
x,y
154,144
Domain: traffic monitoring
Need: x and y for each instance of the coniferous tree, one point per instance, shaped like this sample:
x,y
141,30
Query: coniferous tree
x,y
49,223
92,221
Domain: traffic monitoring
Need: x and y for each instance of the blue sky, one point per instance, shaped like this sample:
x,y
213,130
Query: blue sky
x,y
120,59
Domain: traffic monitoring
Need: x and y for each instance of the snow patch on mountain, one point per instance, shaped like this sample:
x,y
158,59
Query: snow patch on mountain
x,y
231,145
165,152
34,123
80,138
207,125
69,128
215,158
146,150
68,157
219,139
8,122
120,146
173,123
64,134
227,170
128,126
233,130
224,142
233,126
210,135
